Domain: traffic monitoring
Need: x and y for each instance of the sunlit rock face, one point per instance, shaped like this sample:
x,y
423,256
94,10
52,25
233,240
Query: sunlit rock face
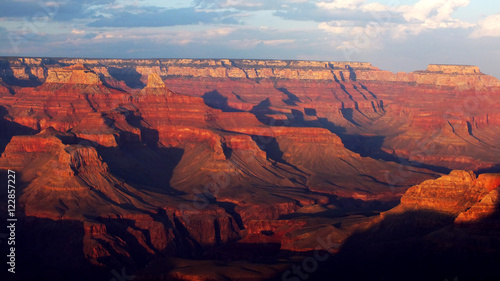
x,y
76,74
154,81
455,194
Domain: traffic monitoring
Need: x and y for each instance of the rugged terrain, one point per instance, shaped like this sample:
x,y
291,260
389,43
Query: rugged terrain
x,y
150,165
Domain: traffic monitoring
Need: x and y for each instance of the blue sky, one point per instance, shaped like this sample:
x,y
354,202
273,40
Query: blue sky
x,y
397,35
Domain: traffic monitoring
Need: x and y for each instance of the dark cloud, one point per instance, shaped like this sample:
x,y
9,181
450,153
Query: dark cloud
x,y
153,17
59,10
4,39
310,12
303,11
90,35
241,5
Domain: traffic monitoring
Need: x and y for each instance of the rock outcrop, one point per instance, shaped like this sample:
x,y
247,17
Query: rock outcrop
x,y
436,75
155,81
452,194
447,226
454,69
75,74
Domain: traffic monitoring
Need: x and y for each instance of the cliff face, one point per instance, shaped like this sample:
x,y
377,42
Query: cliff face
x,y
470,204
455,194
76,74
165,157
436,75
460,209
447,226
442,75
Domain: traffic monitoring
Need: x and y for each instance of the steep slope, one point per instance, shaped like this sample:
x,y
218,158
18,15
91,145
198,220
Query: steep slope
x,y
65,181
443,229
136,176
449,118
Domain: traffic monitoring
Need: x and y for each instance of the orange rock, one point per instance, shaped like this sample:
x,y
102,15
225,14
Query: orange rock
x,y
155,81
450,194
76,74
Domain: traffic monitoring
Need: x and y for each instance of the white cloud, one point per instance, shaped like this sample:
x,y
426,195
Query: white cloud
x,y
397,22
78,32
240,3
432,14
252,43
489,27
278,42
341,4
341,27
437,10
376,7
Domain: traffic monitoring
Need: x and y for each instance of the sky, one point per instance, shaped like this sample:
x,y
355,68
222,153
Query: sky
x,y
395,35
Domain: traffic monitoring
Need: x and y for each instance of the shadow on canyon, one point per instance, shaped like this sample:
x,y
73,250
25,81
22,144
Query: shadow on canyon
x,y
47,249
140,160
292,99
366,146
143,166
414,245
10,79
53,250
128,75
418,245
493,169
215,100
8,129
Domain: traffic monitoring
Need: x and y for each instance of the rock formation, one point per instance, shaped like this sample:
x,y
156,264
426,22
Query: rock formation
x,y
455,194
446,227
75,74
144,159
154,81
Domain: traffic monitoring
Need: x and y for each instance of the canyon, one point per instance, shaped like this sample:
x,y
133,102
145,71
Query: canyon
x,y
218,169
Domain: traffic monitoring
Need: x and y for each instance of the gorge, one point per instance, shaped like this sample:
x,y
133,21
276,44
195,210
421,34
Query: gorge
x,y
218,169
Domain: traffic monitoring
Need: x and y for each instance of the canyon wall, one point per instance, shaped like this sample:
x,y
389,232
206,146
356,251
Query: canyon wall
x,y
441,75
173,157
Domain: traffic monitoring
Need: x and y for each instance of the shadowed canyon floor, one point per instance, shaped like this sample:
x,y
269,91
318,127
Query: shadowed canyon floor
x,y
183,169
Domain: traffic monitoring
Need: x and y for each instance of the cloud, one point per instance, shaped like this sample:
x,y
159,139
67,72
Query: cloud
x,y
253,43
489,27
77,31
341,4
435,10
153,17
341,27
156,36
58,10
248,5
395,22
287,29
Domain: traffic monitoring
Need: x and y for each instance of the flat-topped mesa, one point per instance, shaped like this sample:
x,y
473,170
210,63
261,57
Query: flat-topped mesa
x,y
353,65
155,81
435,75
466,76
298,64
209,68
455,76
454,69
75,74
